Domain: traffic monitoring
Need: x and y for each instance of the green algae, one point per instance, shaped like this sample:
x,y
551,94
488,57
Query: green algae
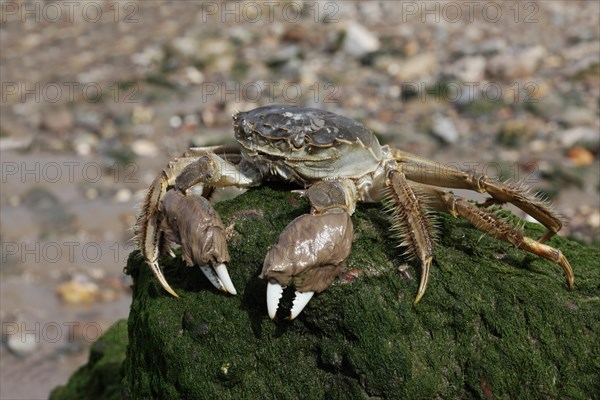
x,y
101,377
495,322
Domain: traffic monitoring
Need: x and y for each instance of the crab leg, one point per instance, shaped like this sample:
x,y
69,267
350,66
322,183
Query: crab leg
x,y
432,173
188,176
490,224
147,233
312,250
231,153
412,223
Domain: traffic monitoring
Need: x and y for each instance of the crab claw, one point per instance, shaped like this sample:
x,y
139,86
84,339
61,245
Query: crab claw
x,y
192,222
274,294
219,277
300,301
310,253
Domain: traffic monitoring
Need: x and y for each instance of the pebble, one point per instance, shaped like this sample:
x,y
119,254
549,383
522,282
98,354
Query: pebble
x,y
185,45
194,75
58,121
208,117
575,116
142,115
14,200
581,134
78,292
144,148
15,143
594,219
580,156
514,132
91,193
18,340
84,143
516,64
108,130
108,295
90,120
359,40
147,56
443,128
468,69
418,66
123,196
538,146
175,121
97,273
192,120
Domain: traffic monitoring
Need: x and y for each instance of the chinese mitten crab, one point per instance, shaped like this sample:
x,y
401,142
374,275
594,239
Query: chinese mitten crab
x,y
338,162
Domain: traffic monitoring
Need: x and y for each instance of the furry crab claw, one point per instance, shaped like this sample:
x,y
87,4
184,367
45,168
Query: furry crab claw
x,y
192,222
310,253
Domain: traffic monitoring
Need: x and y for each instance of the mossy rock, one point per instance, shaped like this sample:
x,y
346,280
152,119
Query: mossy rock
x,y
495,322
101,377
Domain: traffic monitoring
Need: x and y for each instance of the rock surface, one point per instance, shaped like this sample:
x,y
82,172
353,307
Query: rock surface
x,y
101,377
494,322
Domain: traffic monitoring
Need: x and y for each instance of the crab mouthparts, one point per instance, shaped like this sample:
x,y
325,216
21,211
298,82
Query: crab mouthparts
x,y
274,295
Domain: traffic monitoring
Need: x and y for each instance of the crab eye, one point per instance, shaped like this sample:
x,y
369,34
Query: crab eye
x,y
298,141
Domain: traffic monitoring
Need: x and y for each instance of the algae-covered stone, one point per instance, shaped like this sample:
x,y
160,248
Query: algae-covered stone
x,y
494,322
101,377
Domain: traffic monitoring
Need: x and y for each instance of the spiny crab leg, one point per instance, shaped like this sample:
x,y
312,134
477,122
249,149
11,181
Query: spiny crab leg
x,y
487,222
147,229
430,172
412,223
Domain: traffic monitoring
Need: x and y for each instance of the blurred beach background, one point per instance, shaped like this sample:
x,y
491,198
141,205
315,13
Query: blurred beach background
x,y
97,96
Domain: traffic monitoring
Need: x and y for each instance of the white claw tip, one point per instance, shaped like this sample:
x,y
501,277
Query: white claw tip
x,y
223,275
300,301
274,293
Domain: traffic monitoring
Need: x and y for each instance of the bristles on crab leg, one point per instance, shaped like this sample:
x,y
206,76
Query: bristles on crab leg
x,y
412,223
499,228
488,223
148,235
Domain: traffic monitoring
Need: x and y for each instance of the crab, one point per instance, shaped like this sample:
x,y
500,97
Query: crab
x,y
337,162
